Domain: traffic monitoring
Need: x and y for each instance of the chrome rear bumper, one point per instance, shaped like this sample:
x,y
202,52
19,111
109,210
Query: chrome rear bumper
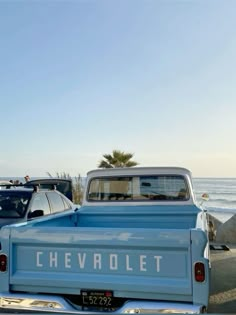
x,y
57,304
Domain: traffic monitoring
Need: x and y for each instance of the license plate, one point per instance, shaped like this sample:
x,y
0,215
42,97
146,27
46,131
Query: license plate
x,y
97,298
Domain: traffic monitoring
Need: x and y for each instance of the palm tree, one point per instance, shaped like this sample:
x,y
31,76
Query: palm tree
x,y
117,159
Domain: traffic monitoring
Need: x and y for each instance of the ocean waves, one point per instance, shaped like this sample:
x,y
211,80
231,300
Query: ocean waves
x,y
222,193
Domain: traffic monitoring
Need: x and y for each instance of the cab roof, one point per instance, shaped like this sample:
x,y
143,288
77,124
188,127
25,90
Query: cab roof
x,y
149,170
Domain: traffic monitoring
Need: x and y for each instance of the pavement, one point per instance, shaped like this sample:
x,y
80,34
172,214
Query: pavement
x,y
223,281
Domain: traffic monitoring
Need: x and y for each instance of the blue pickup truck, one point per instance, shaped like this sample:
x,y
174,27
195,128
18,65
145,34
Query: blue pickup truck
x,y
138,244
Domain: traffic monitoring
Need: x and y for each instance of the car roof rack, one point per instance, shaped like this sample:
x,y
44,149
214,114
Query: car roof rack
x,y
62,185
38,186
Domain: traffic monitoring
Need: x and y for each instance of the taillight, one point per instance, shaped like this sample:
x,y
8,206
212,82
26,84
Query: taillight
x,y
199,272
3,262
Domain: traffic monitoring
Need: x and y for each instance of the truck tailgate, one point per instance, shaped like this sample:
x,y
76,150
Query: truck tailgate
x,y
145,263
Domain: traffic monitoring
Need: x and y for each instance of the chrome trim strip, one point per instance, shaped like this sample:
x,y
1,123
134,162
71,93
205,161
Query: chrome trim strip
x,y
57,304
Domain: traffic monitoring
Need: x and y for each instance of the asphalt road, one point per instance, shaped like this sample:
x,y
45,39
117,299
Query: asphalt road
x,y
223,281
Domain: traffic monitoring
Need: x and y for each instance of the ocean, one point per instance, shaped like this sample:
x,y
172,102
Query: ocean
x,y
222,194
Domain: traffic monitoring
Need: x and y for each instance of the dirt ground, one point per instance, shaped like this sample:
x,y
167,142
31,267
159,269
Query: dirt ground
x,y
223,281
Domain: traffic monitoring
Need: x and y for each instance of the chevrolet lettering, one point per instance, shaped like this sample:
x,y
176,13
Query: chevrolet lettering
x,y
97,261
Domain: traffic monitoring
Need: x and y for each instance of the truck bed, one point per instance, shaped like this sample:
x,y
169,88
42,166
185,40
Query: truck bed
x,y
143,263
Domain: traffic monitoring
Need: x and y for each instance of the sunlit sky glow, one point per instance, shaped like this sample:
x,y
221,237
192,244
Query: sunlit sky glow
x,y
81,78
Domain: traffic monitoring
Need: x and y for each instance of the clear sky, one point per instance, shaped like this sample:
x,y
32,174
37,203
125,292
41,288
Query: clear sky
x,y
153,78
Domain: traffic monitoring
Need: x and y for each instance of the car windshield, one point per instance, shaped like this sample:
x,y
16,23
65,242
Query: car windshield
x,y
13,204
139,188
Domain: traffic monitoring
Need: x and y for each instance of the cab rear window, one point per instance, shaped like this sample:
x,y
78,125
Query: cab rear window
x,y
138,188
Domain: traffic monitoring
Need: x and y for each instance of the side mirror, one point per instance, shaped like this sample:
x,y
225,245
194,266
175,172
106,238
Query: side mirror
x,y
35,214
205,197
